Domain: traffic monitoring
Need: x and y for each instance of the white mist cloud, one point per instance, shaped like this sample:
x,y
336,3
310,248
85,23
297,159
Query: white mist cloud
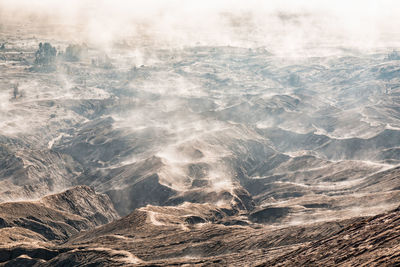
x,y
280,26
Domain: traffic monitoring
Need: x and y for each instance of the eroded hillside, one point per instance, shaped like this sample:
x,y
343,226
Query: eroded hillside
x,y
198,155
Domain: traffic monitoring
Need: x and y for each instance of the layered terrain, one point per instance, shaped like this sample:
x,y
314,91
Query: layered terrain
x,y
203,155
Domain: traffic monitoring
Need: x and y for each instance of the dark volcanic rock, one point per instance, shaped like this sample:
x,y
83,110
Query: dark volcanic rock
x,y
269,215
58,216
156,236
85,202
144,191
215,155
372,241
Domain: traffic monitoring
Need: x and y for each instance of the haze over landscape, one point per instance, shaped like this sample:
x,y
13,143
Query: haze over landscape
x,y
225,133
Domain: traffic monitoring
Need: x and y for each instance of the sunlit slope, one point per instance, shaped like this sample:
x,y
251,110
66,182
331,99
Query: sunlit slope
x,y
205,125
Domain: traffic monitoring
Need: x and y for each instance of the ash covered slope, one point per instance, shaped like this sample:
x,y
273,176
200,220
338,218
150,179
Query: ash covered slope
x,y
59,216
85,202
160,236
32,228
283,130
208,147
372,241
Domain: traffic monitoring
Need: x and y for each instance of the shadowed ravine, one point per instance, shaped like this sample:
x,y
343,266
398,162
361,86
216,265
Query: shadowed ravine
x,y
200,155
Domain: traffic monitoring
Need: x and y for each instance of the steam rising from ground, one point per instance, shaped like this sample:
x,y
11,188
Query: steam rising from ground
x,y
196,109
284,27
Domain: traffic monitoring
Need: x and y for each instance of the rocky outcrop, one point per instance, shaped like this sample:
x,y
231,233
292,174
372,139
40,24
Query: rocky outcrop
x,y
187,234
85,202
56,217
373,241
213,155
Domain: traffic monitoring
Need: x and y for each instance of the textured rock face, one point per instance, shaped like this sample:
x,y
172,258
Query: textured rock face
x,y
196,234
83,201
56,217
29,231
199,155
161,236
372,241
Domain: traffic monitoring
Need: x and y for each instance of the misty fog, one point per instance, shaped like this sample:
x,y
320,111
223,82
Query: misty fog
x,y
212,128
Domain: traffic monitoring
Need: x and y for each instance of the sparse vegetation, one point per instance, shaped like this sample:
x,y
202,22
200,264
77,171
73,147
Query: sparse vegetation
x,y
201,154
75,52
16,91
102,61
45,56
